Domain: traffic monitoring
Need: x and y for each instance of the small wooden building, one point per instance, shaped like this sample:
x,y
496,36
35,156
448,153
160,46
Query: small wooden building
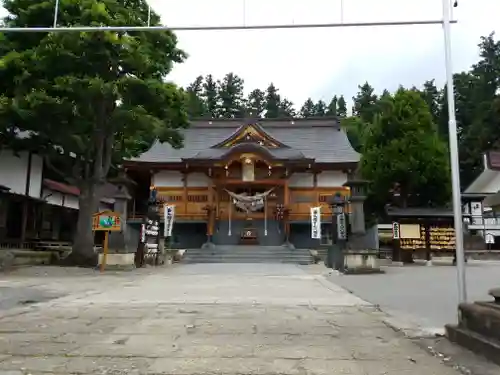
x,y
299,162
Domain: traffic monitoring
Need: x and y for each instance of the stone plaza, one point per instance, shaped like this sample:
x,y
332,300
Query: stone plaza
x,y
199,319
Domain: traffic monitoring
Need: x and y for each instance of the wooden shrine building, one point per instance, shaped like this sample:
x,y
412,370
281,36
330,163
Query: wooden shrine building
x,y
295,164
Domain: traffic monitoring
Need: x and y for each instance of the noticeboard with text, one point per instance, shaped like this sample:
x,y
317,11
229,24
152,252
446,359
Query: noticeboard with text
x,y
106,221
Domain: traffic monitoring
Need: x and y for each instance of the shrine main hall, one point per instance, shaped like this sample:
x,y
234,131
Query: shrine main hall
x,y
241,181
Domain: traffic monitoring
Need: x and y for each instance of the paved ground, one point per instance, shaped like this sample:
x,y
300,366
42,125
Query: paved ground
x,y
426,296
202,319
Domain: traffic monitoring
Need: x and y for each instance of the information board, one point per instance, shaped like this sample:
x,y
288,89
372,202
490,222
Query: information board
x,y
106,221
414,243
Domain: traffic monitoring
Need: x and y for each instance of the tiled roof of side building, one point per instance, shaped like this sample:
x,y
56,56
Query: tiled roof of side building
x,y
321,139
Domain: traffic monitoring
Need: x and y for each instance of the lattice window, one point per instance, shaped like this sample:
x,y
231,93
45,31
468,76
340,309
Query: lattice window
x,y
170,198
198,198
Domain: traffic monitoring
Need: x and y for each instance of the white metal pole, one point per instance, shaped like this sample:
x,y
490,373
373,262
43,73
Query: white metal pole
x,y
455,170
56,11
149,15
341,11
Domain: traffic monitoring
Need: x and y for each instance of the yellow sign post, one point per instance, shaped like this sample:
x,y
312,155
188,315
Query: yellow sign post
x,y
106,221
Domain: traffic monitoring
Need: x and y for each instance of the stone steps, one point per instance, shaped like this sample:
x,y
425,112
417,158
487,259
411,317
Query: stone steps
x,y
478,329
248,254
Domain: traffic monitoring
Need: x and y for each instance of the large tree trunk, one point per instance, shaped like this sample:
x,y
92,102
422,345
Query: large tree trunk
x,y
83,253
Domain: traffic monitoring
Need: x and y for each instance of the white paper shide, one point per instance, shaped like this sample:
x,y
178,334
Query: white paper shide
x,y
316,223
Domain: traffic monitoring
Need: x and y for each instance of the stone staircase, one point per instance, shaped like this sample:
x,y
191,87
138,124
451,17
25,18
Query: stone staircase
x,y
248,254
479,328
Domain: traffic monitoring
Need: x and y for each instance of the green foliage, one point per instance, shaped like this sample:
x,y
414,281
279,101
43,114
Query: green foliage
x,y
231,97
476,97
257,103
332,107
98,96
365,103
307,109
210,96
355,128
196,106
341,107
87,100
402,146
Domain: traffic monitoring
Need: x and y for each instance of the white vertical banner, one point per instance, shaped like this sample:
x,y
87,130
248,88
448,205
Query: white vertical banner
x,y
395,230
316,223
341,227
169,216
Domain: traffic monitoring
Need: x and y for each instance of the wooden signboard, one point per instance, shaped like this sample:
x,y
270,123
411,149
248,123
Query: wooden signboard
x,y
106,221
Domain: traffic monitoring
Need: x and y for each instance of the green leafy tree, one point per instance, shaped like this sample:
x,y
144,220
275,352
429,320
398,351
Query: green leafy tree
x,y
332,107
307,109
341,107
355,128
210,96
89,100
402,146
232,103
273,102
196,106
476,92
256,103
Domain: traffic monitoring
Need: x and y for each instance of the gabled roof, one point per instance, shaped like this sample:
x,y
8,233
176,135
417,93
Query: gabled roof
x,y
279,154
320,139
251,133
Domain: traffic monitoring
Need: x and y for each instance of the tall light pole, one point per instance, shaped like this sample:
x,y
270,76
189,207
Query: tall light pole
x,y
455,170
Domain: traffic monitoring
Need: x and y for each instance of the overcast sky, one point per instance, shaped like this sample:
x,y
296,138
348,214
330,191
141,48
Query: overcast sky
x,y
323,62
319,63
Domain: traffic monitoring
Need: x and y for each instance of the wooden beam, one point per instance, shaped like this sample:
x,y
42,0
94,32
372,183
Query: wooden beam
x,y
250,183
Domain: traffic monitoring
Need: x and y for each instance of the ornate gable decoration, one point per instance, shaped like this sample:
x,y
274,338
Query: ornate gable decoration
x,y
251,134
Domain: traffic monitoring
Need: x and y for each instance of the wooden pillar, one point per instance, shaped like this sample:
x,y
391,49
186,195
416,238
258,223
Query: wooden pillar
x,y
211,212
286,202
185,191
24,220
316,191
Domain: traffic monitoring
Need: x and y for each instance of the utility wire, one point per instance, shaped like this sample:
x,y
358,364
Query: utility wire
x,y
217,28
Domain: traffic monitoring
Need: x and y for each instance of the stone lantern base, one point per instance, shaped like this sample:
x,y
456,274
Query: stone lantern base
x,y
361,262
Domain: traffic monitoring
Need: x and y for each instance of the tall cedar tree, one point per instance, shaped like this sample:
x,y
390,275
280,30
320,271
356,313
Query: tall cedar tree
x,y
307,109
341,107
273,101
256,103
196,106
232,102
95,97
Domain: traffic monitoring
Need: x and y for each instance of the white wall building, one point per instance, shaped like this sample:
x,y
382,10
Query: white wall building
x,y
483,210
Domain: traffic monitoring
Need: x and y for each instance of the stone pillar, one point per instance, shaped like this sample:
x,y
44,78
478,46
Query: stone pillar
x,y
357,200
120,242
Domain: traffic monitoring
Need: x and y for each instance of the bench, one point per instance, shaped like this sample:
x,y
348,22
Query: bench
x,y
57,246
